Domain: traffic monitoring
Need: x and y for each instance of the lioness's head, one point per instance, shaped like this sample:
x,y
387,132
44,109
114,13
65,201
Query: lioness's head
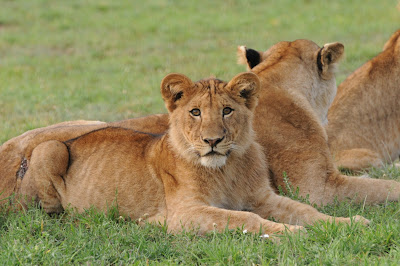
x,y
300,66
210,120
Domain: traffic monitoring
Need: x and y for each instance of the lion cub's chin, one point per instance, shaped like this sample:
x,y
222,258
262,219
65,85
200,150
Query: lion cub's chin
x,y
213,161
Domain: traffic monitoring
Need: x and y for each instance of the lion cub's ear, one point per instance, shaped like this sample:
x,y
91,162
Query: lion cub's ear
x,y
245,87
327,56
248,57
173,87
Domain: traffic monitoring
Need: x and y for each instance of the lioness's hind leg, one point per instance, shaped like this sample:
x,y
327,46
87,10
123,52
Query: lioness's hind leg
x,y
358,159
44,178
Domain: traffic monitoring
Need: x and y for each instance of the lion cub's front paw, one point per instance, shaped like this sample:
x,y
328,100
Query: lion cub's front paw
x,y
362,220
295,229
291,229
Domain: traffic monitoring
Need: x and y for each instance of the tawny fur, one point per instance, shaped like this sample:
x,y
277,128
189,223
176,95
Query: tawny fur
x,y
297,87
364,120
163,178
19,149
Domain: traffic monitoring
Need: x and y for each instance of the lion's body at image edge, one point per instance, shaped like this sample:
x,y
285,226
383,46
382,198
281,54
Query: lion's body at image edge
x,y
364,120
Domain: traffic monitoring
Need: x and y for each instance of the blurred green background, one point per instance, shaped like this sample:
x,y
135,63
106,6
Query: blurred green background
x,y
104,60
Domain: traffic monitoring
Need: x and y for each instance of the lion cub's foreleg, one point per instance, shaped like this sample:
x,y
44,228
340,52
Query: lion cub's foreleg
x,y
43,181
207,218
290,211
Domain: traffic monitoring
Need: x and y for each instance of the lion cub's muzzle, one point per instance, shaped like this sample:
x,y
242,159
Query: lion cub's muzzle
x,y
213,141
215,152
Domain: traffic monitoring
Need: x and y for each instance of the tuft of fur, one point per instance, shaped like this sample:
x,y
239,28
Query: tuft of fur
x,y
241,55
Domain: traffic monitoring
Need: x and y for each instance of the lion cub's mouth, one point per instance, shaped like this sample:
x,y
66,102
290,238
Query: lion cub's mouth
x,y
213,153
216,153
214,159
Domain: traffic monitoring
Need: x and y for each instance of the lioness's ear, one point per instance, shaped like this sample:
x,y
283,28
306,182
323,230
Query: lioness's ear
x,y
245,87
173,86
327,56
393,40
248,57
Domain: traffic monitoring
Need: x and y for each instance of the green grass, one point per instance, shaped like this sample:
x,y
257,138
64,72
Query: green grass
x,y
104,60
34,237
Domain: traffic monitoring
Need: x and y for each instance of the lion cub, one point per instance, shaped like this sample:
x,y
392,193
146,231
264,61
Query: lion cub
x,y
364,120
205,173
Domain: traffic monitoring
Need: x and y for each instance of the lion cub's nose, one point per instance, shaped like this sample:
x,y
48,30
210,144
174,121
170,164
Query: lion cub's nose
x,y
213,142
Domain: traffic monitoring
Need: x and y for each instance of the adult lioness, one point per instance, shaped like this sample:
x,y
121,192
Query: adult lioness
x,y
298,85
364,120
206,172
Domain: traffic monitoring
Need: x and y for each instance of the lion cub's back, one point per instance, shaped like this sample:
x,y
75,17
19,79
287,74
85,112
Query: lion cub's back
x,y
113,164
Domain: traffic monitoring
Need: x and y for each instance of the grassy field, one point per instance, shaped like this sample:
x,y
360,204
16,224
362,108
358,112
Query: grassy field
x,y
104,60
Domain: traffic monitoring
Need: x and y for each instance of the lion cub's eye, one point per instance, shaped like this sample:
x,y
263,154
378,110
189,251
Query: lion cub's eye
x,y
195,112
227,111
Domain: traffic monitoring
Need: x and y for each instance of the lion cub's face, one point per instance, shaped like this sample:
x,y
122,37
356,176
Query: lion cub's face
x,y
210,120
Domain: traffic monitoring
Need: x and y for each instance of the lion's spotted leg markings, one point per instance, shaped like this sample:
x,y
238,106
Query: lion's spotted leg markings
x,y
43,180
23,168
